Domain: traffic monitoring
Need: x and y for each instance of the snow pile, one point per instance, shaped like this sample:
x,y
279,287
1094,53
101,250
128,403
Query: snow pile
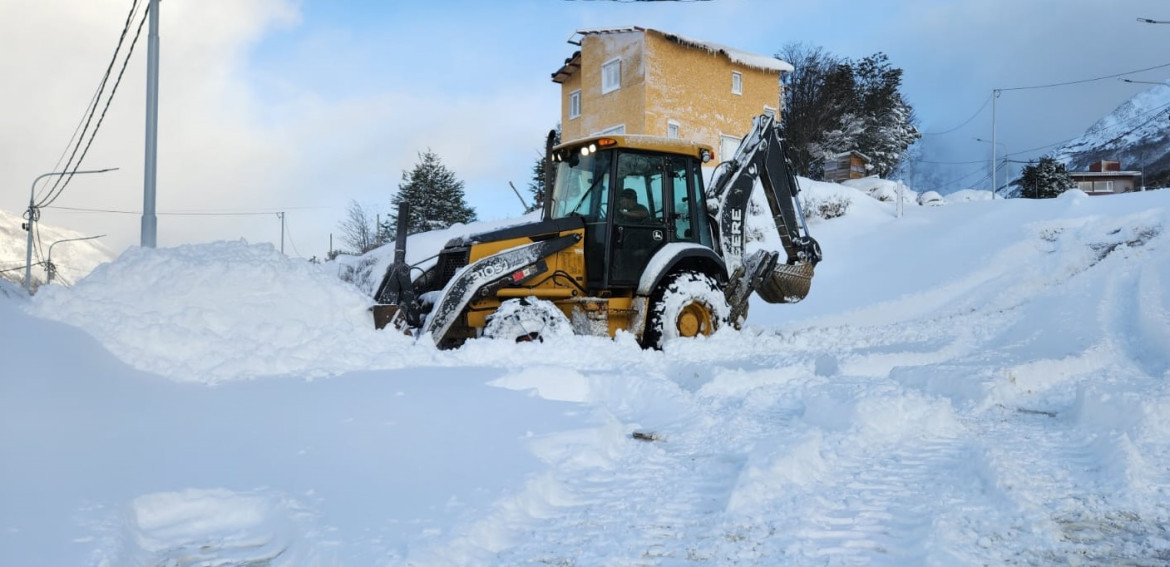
x,y
883,190
218,311
206,527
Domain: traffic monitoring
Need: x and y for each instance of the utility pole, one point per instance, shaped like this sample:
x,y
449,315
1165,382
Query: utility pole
x,y
150,170
994,96
281,215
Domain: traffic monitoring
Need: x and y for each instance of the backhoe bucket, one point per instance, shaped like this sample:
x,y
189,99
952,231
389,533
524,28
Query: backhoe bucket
x,y
384,315
787,283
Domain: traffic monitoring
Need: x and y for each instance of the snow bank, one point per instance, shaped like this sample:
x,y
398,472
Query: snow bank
x,y
215,311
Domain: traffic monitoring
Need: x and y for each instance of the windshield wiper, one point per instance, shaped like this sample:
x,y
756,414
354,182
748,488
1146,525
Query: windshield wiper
x,y
593,186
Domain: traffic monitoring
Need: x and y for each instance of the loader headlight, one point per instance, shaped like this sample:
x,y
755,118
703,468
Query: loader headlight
x,y
705,155
585,150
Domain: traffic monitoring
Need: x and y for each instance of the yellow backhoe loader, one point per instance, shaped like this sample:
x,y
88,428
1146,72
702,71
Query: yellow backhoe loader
x,y
628,240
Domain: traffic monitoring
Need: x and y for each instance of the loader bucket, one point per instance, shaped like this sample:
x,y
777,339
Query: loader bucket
x,y
384,315
787,283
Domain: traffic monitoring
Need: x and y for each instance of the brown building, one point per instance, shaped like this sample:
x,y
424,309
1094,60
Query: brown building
x,y
644,81
845,166
1105,177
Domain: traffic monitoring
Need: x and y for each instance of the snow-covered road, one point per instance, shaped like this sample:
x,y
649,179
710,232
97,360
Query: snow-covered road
x,y
983,383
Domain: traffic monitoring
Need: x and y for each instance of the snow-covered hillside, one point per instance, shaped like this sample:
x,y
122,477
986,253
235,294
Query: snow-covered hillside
x,y
1136,133
980,383
72,258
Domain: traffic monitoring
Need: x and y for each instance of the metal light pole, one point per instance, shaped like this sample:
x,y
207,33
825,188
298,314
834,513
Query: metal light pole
x,y
150,169
50,269
34,215
994,145
994,187
281,216
1145,82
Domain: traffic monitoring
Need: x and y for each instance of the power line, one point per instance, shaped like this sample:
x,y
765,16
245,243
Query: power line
x,y
951,162
965,122
182,213
1086,80
53,197
63,181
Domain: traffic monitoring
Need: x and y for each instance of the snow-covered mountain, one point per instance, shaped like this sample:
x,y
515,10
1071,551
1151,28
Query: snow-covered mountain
x,y
1137,134
73,258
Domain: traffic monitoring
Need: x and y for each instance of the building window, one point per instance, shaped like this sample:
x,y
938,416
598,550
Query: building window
x,y
770,112
611,75
727,147
736,82
574,104
671,129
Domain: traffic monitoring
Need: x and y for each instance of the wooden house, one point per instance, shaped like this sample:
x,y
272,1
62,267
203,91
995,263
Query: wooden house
x,y
845,166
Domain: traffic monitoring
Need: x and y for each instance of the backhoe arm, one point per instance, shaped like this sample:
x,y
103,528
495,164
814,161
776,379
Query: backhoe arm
x,y
762,157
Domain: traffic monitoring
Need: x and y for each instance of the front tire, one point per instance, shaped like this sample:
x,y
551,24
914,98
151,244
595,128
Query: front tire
x,y
687,304
527,319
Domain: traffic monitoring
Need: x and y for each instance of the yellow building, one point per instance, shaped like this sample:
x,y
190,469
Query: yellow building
x,y
644,81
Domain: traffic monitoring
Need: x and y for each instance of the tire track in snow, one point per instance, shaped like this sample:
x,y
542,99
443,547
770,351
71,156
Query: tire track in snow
x,y
1133,312
897,505
659,502
1071,492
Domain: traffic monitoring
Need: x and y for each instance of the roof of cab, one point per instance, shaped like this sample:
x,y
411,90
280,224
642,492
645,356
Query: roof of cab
x,y
643,142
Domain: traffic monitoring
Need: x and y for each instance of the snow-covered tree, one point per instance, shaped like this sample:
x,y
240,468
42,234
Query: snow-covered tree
x,y
818,102
834,105
435,196
889,121
1044,180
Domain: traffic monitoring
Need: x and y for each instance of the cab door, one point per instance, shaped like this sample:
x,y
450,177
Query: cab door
x,y
633,242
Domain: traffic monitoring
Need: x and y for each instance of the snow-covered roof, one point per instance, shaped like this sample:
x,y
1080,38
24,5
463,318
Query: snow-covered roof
x,y
745,58
1104,173
850,153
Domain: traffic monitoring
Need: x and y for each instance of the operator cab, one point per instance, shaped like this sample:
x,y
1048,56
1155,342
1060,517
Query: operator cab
x,y
635,195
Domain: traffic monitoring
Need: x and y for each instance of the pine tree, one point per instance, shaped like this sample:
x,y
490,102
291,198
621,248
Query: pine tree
x,y
1045,180
536,185
435,196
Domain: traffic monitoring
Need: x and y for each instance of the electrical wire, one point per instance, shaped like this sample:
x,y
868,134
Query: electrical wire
x,y
965,122
53,196
171,213
1086,80
93,104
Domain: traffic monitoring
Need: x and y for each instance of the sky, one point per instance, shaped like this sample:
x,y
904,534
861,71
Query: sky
x,y
299,107
977,383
